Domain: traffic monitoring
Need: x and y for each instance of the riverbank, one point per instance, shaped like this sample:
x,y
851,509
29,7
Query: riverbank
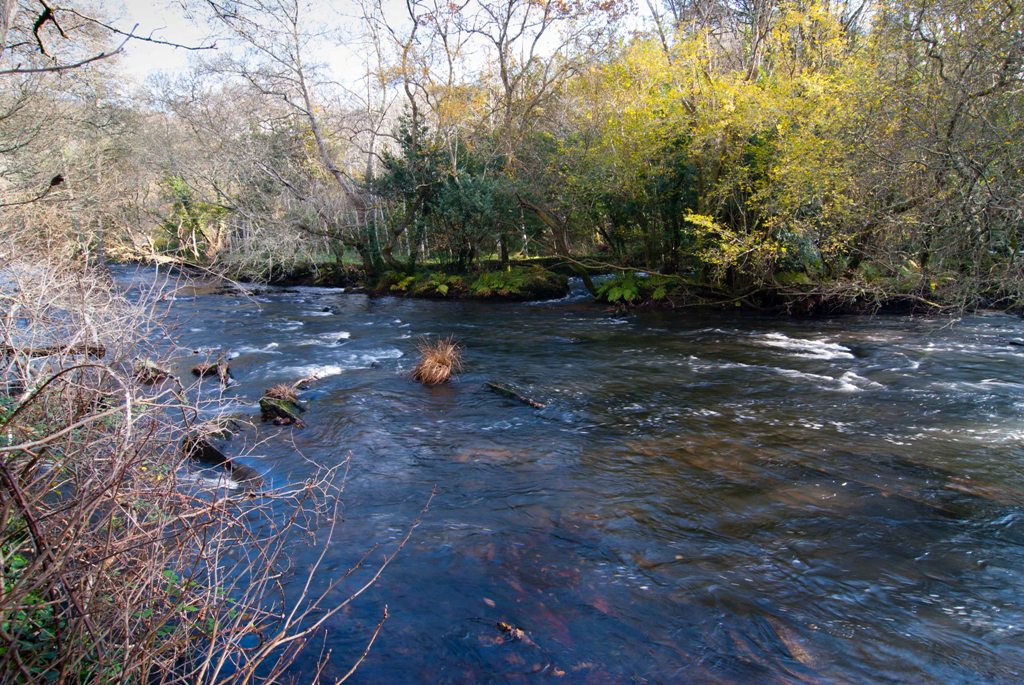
x,y
789,295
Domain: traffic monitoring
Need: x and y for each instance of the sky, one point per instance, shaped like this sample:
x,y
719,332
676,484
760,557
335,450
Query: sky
x,y
158,19
167,20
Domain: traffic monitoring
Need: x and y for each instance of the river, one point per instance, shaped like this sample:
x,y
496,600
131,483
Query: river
x,y
706,498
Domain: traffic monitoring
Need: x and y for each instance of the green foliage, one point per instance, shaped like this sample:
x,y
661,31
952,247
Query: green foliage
x,y
524,283
431,284
634,288
7,407
404,284
438,284
193,228
801,139
621,288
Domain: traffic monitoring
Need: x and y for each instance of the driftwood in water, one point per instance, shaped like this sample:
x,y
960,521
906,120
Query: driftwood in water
x,y
513,393
304,383
91,350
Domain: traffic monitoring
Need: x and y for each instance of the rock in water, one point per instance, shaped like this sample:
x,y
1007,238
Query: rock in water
x,y
282,412
149,372
199,447
218,368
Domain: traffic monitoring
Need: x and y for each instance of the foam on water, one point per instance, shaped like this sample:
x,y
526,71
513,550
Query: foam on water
x,y
217,409
848,382
311,290
221,482
287,325
699,364
988,385
363,359
269,348
807,348
860,381
325,339
318,370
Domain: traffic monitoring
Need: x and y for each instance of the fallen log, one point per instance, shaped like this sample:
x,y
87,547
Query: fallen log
x,y
511,392
87,349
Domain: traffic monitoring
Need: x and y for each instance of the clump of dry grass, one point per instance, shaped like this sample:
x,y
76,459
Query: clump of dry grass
x,y
439,359
282,391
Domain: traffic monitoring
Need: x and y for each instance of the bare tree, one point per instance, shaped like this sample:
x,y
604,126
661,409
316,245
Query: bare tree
x,y
273,58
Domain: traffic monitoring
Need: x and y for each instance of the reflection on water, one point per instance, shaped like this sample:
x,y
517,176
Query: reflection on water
x,y
705,498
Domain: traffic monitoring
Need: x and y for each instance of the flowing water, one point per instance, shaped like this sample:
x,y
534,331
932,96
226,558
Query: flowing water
x,y
704,499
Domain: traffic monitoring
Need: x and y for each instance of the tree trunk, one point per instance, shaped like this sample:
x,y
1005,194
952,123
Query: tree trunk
x,y
503,250
8,8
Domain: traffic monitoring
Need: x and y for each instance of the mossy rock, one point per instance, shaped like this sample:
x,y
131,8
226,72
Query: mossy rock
x,y
218,368
793,279
871,272
281,412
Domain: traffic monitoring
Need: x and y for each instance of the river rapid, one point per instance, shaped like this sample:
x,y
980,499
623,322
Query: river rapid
x,y
705,498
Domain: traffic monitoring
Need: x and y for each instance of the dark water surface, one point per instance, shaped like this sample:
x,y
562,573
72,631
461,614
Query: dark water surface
x,y
705,499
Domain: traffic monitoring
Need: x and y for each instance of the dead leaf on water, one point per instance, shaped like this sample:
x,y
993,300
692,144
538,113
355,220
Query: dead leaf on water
x,y
601,604
512,631
793,642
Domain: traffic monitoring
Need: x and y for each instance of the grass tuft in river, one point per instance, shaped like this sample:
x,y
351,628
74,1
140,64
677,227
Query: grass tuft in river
x,y
439,359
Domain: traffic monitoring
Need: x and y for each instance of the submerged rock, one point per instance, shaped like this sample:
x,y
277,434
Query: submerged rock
x,y
513,393
199,447
218,368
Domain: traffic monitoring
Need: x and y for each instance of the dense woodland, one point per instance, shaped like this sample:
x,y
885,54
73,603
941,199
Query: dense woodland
x,y
738,151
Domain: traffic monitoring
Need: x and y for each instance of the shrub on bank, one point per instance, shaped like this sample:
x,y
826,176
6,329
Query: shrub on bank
x,y
520,283
116,564
632,287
